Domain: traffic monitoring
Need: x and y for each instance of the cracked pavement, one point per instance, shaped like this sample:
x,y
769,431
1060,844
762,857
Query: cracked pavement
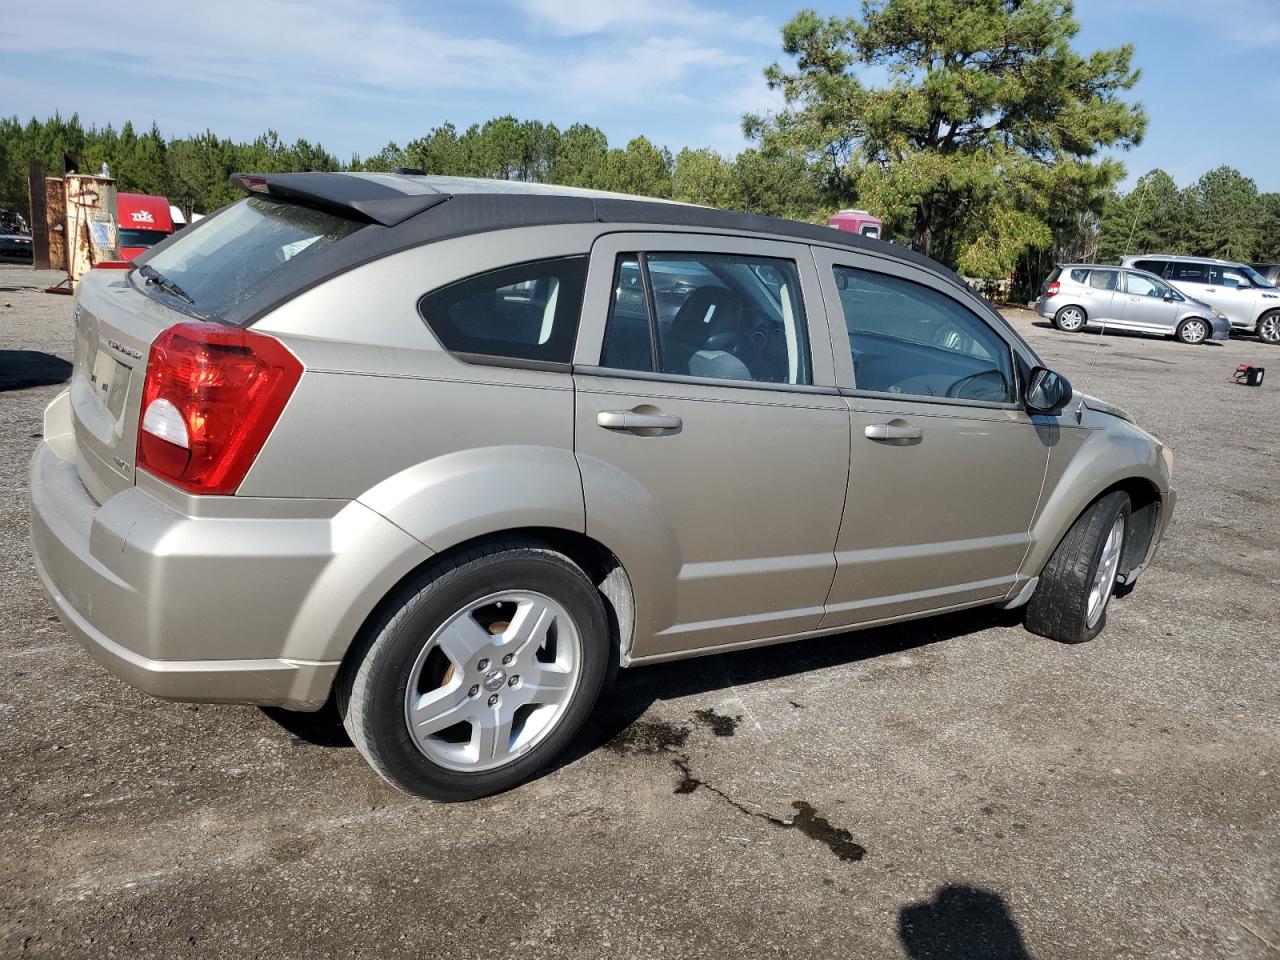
x,y
947,788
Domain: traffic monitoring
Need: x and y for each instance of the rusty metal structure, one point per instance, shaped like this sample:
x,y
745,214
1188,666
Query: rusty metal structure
x,y
55,218
92,232
76,223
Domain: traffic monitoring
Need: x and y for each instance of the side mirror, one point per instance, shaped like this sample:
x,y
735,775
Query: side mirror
x,y
1171,297
1047,391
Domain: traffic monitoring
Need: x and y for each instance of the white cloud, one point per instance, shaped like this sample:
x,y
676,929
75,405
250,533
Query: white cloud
x,y
680,72
331,46
673,19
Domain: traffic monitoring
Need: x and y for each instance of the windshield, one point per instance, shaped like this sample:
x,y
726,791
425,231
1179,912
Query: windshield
x,y
141,238
240,250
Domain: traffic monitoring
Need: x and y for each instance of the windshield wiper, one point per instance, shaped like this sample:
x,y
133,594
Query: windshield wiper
x,y
164,283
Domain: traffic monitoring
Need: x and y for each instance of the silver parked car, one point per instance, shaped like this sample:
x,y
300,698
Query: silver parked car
x,y
449,452
1243,295
1080,295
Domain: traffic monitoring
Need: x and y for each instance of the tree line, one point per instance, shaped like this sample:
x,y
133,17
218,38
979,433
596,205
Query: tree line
x,y
990,147
193,171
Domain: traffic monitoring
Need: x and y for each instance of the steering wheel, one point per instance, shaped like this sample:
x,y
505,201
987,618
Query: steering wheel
x,y
958,389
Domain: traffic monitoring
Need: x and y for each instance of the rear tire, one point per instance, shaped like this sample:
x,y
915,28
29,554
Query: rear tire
x,y
1193,331
1070,602
507,648
1269,327
1070,319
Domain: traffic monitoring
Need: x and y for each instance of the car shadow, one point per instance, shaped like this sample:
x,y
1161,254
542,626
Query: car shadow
x,y
634,691
637,689
20,369
961,923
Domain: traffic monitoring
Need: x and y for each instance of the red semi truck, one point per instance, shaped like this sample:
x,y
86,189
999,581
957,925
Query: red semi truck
x,y
144,222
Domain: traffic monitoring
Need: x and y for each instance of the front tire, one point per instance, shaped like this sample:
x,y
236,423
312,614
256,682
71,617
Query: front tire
x,y
1192,331
1070,601
1070,319
1269,327
479,672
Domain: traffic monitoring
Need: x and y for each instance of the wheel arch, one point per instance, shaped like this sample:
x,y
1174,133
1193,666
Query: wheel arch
x,y
599,563
1074,496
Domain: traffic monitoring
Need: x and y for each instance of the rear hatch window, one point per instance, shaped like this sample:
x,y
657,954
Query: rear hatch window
x,y
208,271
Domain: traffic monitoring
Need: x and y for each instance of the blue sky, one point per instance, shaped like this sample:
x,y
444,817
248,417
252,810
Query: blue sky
x,y
354,74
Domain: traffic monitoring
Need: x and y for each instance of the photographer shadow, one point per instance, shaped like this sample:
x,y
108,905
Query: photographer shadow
x,y
961,923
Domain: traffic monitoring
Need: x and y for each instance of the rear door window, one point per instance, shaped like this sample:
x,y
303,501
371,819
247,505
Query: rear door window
x,y
1185,271
723,316
528,311
1102,279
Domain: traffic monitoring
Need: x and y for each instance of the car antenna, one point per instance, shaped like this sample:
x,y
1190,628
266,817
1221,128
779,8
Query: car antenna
x,y
1088,376
1097,348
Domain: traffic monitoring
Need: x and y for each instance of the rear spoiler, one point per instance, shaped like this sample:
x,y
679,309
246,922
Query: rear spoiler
x,y
352,197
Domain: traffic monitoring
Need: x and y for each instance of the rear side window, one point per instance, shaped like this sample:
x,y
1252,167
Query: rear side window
x,y
525,312
1079,276
239,251
1152,266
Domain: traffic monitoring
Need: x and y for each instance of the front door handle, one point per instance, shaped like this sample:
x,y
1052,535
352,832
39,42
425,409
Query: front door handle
x,y
891,431
632,420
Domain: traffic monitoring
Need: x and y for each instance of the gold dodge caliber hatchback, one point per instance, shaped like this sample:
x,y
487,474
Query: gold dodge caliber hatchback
x,y
451,451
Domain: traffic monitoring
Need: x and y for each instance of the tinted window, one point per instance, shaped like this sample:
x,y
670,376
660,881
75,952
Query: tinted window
x,y
1184,271
1102,279
911,339
713,315
1152,266
240,250
526,312
141,238
1136,283
1079,276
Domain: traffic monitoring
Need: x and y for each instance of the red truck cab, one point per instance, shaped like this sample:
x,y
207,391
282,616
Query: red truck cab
x,y
859,222
144,222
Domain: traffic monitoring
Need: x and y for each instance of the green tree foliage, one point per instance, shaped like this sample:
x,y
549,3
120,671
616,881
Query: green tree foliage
x,y
705,177
1225,214
1220,215
987,113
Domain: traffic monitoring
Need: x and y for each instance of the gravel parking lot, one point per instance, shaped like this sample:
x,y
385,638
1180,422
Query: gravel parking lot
x,y
948,788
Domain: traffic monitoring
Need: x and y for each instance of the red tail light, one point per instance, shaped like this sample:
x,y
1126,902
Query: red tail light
x,y
1052,289
211,396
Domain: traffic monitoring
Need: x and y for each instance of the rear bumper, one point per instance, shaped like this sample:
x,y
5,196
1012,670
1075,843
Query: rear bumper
x,y
255,609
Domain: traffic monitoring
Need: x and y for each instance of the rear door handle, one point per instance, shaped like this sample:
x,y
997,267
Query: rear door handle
x,y
891,431
631,420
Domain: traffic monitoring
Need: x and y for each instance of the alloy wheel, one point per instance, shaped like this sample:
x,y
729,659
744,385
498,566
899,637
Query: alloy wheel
x,y
493,681
1104,580
1194,331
